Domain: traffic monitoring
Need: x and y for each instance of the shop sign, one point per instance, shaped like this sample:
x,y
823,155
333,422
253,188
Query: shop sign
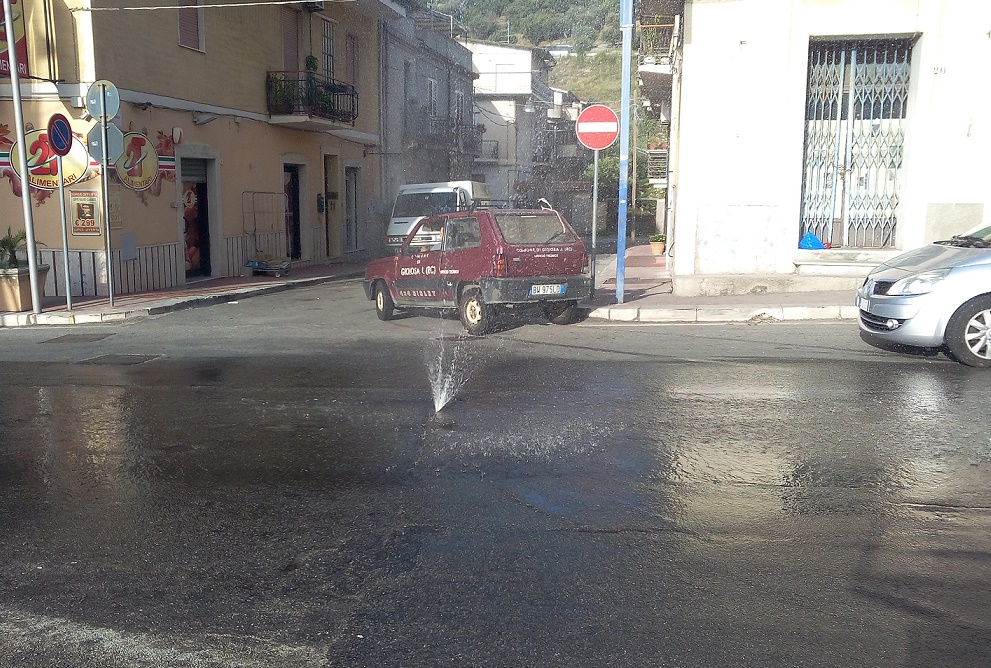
x,y
20,41
43,162
84,206
137,167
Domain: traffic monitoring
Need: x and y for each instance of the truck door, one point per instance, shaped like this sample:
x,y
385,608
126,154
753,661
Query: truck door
x,y
418,265
462,257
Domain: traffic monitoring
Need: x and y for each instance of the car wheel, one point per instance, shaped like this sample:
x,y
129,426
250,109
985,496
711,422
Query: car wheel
x,y
384,306
561,313
968,333
475,315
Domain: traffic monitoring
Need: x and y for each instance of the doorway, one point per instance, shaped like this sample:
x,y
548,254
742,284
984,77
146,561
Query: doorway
x,y
290,182
196,217
350,209
855,122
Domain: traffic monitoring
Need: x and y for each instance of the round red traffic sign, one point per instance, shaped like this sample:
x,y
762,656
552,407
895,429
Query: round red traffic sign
x,y
597,127
59,135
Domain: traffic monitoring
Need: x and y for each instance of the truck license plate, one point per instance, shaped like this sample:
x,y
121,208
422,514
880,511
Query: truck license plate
x,y
556,289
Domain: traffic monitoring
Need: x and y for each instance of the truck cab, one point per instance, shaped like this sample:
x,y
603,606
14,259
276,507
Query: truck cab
x,y
416,201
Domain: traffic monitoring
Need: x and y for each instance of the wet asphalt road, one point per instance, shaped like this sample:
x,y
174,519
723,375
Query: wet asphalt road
x,y
262,484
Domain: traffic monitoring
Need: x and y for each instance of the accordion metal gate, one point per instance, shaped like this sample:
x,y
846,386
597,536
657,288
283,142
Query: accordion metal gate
x,y
856,107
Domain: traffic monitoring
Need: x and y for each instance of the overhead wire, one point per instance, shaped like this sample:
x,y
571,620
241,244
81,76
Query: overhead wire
x,y
195,6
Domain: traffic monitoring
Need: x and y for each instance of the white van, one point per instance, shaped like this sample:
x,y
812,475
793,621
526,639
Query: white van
x,y
418,200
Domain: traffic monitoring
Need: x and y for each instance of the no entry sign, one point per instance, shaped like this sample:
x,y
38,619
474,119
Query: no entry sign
x,y
597,127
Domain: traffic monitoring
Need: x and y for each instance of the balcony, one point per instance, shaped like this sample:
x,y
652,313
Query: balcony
x,y
490,150
309,100
469,138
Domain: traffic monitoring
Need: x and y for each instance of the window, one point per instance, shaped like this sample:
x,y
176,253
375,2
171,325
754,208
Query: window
x,y
432,97
528,229
190,24
328,49
463,233
351,60
459,107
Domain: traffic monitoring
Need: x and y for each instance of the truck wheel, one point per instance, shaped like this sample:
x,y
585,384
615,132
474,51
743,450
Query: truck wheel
x,y
968,333
384,306
475,315
561,313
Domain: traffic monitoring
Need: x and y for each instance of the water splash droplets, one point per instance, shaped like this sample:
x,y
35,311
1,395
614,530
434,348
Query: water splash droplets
x,y
448,368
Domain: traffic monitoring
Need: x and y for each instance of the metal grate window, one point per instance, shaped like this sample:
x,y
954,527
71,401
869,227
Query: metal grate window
x,y
856,106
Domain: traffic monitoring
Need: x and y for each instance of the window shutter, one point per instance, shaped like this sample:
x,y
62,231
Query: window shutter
x,y
290,40
189,23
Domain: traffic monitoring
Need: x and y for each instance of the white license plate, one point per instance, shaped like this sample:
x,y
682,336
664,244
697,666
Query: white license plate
x,y
556,289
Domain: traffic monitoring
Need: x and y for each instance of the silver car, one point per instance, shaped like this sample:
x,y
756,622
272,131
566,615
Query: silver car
x,y
937,297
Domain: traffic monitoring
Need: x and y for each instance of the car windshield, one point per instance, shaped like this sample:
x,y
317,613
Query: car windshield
x,y
411,205
534,229
977,238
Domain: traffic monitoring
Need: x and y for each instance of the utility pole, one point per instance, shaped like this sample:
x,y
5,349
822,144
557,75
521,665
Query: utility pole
x,y
626,25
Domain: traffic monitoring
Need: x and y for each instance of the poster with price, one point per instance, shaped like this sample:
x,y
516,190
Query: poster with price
x,y
84,212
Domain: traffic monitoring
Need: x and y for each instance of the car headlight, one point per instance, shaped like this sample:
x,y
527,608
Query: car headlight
x,y
918,284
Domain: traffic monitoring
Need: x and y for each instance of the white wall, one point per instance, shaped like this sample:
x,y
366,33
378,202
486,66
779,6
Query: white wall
x,y
739,167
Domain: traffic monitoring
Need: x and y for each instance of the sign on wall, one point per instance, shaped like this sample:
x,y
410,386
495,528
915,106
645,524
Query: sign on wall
x,y
137,167
83,206
20,40
43,161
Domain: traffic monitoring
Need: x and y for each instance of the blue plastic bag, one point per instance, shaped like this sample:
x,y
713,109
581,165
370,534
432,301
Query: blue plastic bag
x,y
811,242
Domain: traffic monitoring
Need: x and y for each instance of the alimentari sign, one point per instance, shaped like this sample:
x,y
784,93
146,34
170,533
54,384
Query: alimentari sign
x,y
19,40
43,164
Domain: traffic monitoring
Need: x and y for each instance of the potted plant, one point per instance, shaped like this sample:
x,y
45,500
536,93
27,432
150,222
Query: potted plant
x,y
15,280
282,93
658,242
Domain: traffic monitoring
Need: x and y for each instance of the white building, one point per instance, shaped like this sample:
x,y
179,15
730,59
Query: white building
x,y
529,146
867,124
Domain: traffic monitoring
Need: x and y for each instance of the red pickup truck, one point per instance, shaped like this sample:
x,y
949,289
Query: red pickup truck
x,y
482,261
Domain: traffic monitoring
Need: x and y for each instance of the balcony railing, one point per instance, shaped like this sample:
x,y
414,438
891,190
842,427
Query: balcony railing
x,y
428,132
490,150
470,136
311,94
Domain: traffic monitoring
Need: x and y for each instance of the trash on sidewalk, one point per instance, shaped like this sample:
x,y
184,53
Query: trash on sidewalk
x,y
265,262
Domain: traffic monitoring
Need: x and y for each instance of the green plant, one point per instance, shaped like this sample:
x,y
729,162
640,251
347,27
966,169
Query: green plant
x,y
654,238
311,63
8,248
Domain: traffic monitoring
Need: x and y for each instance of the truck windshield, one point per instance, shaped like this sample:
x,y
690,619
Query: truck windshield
x,y
530,229
412,205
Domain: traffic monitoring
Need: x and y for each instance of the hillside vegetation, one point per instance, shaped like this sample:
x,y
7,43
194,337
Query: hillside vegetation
x,y
581,23
593,78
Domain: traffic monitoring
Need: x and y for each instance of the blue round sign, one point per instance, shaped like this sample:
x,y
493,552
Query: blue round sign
x,y
60,135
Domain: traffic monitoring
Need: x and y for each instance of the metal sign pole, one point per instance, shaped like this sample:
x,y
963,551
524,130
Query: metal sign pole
x,y
15,85
595,210
626,25
65,236
105,163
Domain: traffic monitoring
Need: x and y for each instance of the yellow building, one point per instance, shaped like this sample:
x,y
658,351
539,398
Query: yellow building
x,y
245,130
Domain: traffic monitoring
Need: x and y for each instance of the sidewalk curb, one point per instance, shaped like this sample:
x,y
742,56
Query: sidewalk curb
x,y
704,314
176,304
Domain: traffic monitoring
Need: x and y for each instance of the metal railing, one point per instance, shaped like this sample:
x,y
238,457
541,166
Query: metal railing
x,y
657,164
305,92
490,149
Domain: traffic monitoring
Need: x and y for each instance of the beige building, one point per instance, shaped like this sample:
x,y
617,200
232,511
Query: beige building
x,y
245,130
